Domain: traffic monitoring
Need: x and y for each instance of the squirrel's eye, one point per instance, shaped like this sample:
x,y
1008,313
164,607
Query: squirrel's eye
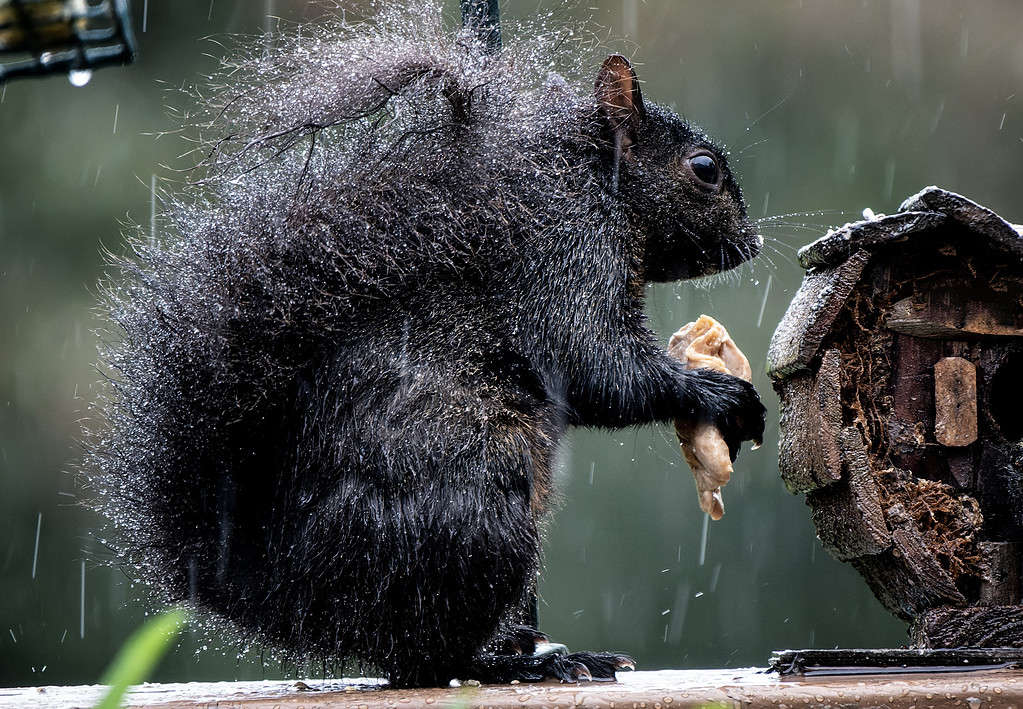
x,y
705,169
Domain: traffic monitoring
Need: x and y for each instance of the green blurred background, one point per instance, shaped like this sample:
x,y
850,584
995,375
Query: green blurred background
x,y
828,107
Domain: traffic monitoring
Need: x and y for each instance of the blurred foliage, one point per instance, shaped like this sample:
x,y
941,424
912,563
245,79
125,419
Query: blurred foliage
x,y
139,655
829,106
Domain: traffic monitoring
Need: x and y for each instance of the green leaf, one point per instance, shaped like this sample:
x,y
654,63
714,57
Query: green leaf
x,y
140,654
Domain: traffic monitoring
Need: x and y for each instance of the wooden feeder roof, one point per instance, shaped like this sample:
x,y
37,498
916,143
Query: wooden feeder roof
x,y
835,263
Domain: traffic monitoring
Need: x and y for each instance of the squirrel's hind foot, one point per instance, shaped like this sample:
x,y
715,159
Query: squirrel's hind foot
x,y
518,640
570,668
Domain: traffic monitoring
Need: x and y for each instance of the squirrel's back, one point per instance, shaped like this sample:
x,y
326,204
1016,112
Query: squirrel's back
x,y
338,380
315,287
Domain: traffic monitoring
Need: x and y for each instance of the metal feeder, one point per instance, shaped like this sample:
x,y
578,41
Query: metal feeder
x,y
40,37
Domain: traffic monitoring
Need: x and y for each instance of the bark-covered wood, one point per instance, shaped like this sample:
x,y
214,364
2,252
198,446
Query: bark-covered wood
x,y
906,578
828,397
798,337
977,220
835,247
848,515
976,626
955,401
811,413
1000,573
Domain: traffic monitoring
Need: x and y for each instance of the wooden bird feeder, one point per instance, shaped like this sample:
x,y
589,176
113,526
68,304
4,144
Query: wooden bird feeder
x,y
899,364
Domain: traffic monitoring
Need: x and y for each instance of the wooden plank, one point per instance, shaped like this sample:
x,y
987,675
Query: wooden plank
x,y
848,515
978,626
952,314
955,402
749,687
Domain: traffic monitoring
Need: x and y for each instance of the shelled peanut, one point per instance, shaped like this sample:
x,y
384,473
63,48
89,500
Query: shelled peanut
x,y
706,344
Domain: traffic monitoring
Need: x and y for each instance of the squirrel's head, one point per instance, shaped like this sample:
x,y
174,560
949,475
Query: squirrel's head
x,y
674,181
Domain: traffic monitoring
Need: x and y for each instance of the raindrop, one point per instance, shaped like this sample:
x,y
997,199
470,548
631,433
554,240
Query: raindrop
x,y
145,14
79,77
117,108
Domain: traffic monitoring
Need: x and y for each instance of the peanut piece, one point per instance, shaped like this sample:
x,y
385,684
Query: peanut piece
x,y
706,343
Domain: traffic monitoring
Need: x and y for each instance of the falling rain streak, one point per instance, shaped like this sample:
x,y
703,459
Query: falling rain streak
x,y
763,303
152,210
703,539
35,553
81,616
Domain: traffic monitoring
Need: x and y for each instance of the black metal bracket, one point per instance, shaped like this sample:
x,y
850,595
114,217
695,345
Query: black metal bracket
x,y
61,36
893,661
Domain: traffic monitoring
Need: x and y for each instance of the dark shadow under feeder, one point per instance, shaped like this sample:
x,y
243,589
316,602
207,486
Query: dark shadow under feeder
x,y
900,369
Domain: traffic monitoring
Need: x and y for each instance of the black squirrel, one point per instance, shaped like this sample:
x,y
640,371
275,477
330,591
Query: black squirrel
x,y
336,387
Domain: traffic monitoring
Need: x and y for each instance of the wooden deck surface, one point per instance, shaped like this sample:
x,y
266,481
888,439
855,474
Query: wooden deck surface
x,y
649,690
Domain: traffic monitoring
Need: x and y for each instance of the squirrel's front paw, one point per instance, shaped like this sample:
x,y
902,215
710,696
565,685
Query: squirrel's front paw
x,y
733,406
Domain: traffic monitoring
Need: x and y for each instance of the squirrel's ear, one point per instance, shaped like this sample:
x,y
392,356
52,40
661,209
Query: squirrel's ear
x,y
619,98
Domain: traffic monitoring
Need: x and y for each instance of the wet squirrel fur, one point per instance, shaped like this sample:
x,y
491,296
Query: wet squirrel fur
x,y
338,379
